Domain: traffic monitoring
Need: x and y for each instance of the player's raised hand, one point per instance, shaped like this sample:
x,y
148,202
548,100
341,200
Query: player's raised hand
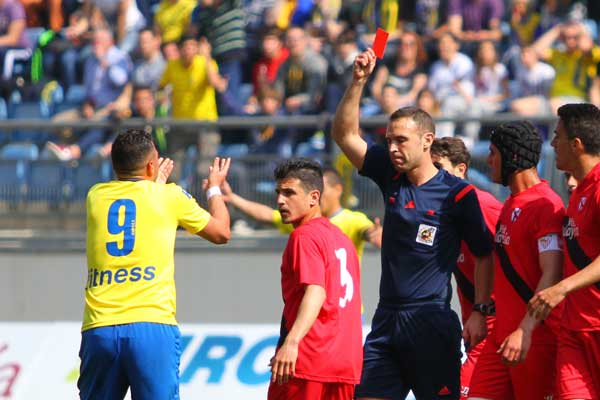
x,y
217,172
226,190
364,63
542,303
475,329
165,167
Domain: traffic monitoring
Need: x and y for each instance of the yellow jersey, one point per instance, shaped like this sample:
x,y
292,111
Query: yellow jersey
x,y
574,72
131,227
352,223
173,18
193,97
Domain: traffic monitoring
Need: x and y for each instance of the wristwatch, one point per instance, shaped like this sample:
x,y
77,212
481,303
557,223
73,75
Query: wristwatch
x,y
485,309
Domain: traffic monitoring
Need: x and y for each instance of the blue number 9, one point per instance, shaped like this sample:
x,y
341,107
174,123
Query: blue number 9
x,y
128,227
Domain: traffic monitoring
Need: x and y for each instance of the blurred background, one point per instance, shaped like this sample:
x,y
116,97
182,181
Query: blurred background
x,y
258,81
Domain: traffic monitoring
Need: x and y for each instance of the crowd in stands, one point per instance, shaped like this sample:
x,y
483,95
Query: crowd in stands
x,y
104,59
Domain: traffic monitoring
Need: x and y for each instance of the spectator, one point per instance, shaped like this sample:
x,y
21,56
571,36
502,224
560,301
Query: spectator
x,y
44,14
429,17
533,81
406,72
62,55
144,106
193,79
339,71
264,72
475,21
122,17
149,69
491,80
451,79
426,101
573,64
524,29
106,75
301,76
259,19
171,20
270,139
13,42
221,22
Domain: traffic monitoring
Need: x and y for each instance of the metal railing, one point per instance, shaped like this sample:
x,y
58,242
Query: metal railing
x,y
251,174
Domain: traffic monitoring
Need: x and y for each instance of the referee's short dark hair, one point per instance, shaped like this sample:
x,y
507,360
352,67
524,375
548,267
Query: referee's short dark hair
x,y
421,118
130,151
453,149
582,120
308,172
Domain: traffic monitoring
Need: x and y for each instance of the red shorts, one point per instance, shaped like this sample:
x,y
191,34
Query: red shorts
x,y
534,379
578,364
468,367
301,389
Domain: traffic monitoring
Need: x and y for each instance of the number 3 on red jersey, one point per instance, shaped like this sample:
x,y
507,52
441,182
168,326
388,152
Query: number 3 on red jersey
x,y
345,277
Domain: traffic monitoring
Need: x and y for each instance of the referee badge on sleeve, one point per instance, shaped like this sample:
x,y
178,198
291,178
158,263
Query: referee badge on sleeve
x,y
426,234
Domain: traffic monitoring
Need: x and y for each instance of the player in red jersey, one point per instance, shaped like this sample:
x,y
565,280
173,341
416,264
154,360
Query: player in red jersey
x,y
518,359
577,147
451,154
319,354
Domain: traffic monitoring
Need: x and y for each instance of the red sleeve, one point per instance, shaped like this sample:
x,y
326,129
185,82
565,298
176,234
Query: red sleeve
x,y
490,207
308,260
549,217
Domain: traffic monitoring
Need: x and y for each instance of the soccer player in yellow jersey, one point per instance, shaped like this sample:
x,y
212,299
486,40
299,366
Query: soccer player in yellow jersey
x,y
130,337
353,224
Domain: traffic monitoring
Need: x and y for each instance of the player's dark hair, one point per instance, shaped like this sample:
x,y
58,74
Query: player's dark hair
x,y
453,149
333,176
519,144
421,118
582,121
130,151
306,171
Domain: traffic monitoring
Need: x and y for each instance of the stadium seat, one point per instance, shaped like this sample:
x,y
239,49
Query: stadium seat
x,y
12,181
233,150
29,110
19,151
85,174
46,182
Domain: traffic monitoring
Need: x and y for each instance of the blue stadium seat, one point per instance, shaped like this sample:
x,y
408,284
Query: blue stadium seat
x,y
29,110
86,174
46,182
19,151
12,181
233,150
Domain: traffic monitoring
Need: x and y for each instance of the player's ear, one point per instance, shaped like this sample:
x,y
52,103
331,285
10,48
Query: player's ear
x,y
462,168
427,140
315,196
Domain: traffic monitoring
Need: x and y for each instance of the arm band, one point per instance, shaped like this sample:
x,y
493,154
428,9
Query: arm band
x,y
550,242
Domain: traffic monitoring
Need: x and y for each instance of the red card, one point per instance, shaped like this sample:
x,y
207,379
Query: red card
x,y
380,41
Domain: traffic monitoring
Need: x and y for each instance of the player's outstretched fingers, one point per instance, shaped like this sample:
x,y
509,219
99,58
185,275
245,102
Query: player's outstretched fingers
x,y
165,167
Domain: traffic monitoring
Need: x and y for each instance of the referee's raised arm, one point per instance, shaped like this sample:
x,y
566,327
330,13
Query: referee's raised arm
x,y
346,131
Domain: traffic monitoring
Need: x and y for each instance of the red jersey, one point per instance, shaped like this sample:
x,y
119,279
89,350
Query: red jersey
x,y
265,70
525,218
490,208
318,253
582,245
